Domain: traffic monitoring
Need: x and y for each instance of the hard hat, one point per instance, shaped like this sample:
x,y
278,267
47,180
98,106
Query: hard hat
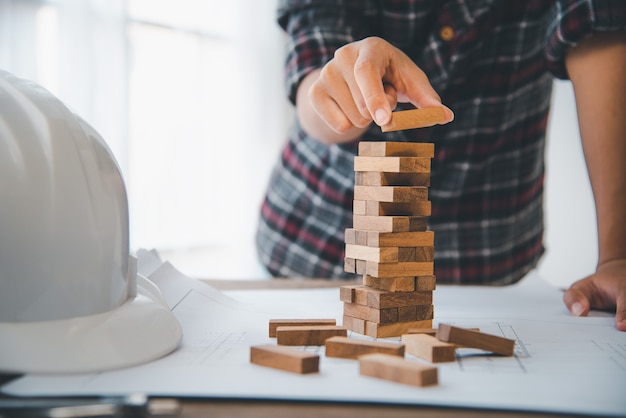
x,y
70,297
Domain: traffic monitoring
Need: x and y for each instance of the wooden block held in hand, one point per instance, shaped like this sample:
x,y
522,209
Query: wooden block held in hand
x,y
308,335
352,348
396,149
275,323
415,118
284,358
429,348
397,369
476,339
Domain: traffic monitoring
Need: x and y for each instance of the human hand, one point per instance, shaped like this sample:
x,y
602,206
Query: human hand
x,y
364,82
605,290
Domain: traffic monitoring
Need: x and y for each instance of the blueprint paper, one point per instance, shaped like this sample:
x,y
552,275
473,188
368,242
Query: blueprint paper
x,y
561,364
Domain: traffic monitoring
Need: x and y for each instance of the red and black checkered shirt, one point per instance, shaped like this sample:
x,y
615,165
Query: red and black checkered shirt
x,y
495,72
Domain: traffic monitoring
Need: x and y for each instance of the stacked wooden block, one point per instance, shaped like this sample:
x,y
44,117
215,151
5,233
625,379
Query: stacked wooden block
x,y
390,244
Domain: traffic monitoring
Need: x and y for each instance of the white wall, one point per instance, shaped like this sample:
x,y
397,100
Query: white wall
x,y
571,241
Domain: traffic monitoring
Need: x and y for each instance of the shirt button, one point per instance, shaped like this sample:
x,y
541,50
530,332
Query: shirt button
x,y
446,33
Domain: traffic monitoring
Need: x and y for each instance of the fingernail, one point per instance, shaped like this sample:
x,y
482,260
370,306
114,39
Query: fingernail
x,y
577,308
380,117
449,113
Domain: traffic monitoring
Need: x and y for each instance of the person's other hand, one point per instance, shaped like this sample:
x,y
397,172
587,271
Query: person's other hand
x,y
604,290
364,81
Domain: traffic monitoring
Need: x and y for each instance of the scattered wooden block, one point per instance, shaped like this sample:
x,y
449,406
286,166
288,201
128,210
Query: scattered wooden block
x,y
415,118
284,358
391,193
397,369
354,324
418,268
375,330
392,164
429,348
476,339
381,178
394,284
275,323
352,348
375,208
308,335
401,239
396,149
390,224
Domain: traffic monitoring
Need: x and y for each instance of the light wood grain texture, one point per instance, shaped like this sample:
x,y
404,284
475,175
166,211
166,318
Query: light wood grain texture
x,y
423,254
397,369
355,236
390,224
392,164
415,313
275,323
375,208
308,335
284,358
394,284
428,331
400,239
399,269
429,348
476,339
352,265
391,193
352,348
379,254
347,293
396,149
380,178
375,330
415,118
354,324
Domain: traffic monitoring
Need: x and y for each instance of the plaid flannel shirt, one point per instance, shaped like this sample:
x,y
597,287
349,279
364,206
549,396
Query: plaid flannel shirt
x,y
488,172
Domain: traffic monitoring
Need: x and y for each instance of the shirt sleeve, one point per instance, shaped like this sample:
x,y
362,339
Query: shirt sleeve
x,y
576,20
316,29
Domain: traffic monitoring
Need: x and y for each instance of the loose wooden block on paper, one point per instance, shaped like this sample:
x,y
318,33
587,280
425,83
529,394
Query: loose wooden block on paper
x,y
397,369
415,118
476,339
375,330
275,323
381,178
391,193
284,358
390,224
400,239
396,149
308,335
352,348
399,269
394,284
429,348
392,164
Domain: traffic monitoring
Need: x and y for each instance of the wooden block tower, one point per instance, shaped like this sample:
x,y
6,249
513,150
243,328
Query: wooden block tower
x,y
390,244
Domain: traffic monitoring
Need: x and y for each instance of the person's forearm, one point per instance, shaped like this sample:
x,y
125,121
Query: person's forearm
x,y
311,121
597,69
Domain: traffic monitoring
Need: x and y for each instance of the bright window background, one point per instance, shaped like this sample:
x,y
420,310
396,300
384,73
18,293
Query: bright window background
x,y
189,96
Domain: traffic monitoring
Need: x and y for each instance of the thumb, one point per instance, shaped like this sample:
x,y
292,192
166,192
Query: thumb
x,y
576,299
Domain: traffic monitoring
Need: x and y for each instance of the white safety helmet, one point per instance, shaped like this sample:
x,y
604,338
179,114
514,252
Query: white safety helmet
x,y
69,294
